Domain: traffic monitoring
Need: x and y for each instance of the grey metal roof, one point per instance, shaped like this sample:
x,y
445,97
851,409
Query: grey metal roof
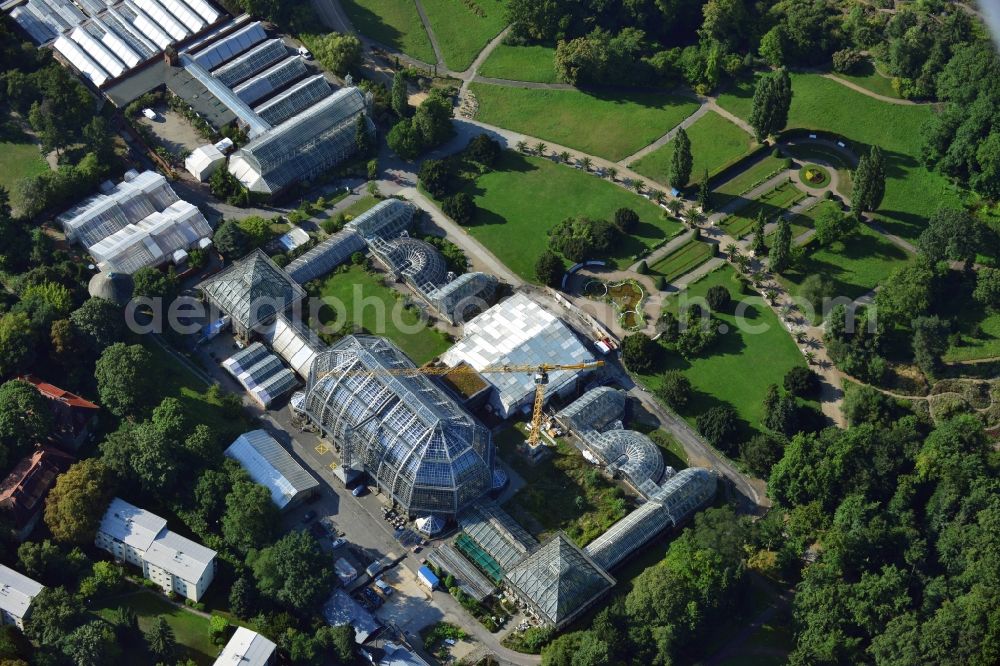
x,y
270,465
252,289
559,581
17,591
246,648
340,609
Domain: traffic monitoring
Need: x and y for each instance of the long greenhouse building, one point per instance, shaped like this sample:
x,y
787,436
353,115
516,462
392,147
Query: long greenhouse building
x,y
418,445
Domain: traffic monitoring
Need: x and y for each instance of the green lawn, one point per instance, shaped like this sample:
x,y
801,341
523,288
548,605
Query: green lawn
x,y
683,260
806,220
984,343
362,205
395,23
609,125
742,364
773,203
549,499
715,144
521,63
19,158
524,197
174,380
854,266
460,33
190,629
365,301
912,192
746,180
866,76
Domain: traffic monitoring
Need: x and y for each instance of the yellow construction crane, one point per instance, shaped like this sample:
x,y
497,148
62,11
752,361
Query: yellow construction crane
x,y
540,371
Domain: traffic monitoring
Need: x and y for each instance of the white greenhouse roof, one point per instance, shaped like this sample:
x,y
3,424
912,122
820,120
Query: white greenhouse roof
x,y
295,237
270,465
17,591
518,331
230,46
246,648
295,343
152,240
77,57
203,160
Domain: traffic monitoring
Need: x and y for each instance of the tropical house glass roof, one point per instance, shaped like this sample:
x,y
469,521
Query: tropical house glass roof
x,y
252,290
559,581
417,443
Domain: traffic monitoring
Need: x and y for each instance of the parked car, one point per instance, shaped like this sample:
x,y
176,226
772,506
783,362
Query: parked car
x,y
359,490
337,543
149,113
309,516
384,587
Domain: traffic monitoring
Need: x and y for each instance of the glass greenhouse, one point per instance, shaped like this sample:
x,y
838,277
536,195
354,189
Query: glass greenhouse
x,y
497,533
300,96
274,387
229,47
326,256
559,581
303,146
386,219
415,261
417,443
631,454
675,502
273,78
270,465
251,291
255,60
468,289
245,359
594,410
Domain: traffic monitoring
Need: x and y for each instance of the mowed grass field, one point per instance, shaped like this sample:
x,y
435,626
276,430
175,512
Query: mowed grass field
x,y
368,303
190,629
762,170
683,260
742,364
854,266
460,33
715,144
773,204
866,76
912,192
523,197
19,158
521,63
806,220
609,125
174,380
395,23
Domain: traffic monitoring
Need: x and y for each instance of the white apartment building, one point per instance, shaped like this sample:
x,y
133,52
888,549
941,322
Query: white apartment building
x,y
247,648
141,538
16,594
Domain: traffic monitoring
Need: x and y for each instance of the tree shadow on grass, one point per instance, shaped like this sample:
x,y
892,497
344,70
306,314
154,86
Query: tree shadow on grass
x,y
372,26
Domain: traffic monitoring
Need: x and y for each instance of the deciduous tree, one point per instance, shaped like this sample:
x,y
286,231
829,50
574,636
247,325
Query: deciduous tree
x,y
77,501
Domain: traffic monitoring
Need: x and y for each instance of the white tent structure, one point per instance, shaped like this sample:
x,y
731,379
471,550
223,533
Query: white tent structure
x,y
204,161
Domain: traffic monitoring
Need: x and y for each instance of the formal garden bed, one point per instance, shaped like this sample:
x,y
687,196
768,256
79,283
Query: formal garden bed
x,y
626,296
813,175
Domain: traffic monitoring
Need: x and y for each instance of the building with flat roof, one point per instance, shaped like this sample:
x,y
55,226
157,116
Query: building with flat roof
x,y
247,648
16,594
141,538
519,331
270,465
